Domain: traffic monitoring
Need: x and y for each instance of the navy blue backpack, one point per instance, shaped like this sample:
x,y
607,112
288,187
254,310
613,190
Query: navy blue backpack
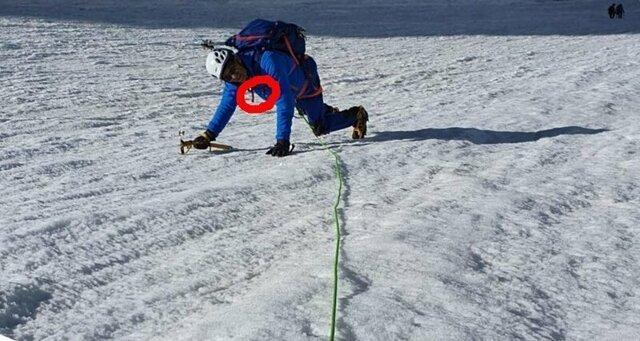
x,y
260,35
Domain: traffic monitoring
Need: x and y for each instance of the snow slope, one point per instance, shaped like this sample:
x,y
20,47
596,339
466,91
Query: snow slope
x,y
495,198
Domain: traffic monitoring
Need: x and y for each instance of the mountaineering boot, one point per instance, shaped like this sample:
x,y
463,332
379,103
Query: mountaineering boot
x,y
203,140
360,127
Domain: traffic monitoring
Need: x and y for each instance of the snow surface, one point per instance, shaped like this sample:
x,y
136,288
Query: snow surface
x,y
496,196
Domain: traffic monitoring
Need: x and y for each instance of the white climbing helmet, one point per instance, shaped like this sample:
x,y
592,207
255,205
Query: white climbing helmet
x,y
216,60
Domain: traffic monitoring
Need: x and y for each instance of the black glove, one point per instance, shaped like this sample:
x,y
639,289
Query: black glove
x,y
203,140
281,148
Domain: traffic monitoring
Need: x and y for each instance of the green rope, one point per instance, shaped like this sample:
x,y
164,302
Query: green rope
x,y
338,173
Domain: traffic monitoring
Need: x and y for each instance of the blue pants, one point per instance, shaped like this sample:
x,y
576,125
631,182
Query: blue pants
x,y
322,117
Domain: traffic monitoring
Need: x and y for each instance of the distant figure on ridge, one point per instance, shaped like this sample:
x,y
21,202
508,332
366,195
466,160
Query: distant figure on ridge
x,y
612,11
619,11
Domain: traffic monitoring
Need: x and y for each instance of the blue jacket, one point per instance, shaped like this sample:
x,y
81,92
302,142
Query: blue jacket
x,y
291,78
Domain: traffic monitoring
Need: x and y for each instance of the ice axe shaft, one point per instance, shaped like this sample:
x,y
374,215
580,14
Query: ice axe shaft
x,y
185,146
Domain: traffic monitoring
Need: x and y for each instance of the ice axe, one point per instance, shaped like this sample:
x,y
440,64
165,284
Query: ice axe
x,y
186,145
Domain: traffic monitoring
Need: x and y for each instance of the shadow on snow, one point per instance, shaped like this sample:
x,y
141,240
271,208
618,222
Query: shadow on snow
x,y
367,18
479,136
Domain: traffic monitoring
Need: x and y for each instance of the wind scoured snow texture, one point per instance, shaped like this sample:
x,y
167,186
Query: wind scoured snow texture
x,y
495,198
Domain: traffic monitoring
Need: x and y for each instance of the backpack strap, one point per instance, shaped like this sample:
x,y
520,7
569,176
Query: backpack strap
x,y
301,94
293,55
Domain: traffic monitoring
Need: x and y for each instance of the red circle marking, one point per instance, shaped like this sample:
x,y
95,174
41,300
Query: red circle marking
x,y
253,82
